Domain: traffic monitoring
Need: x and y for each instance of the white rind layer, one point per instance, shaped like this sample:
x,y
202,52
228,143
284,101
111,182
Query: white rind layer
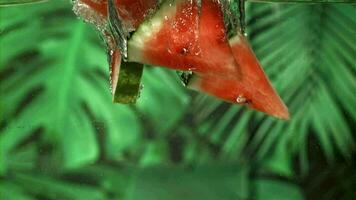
x,y
149,29
235,40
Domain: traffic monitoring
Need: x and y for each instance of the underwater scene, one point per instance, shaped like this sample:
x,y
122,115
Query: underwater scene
x,y
177,99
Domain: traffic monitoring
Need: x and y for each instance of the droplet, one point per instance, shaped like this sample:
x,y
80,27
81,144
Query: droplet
x,y
185,77
241,99
140,90
142,86
184,51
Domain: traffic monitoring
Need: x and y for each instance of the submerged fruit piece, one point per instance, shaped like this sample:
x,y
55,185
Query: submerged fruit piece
x,y
186,35
180,37
253,90
125,79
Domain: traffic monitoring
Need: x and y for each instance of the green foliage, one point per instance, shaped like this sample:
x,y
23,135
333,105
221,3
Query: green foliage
x,y
62,138
314,71
18,2
304,1
307,51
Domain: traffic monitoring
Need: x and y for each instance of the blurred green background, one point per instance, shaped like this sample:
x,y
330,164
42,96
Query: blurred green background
x,y
62,138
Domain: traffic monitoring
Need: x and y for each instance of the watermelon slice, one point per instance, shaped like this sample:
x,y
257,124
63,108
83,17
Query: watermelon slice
x,y
228,70
180,37
254,90
189,35
126,87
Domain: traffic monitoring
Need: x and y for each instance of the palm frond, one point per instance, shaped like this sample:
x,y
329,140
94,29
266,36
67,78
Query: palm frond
x,y
18,2
61,137
307,51
53,65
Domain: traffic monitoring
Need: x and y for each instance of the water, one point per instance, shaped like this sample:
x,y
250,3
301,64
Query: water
x,y
61,137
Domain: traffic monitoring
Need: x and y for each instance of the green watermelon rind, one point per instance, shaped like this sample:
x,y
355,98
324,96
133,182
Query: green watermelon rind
x,y
128,85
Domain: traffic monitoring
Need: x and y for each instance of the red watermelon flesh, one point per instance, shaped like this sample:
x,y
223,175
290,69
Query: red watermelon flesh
x,y
214,42
180,37
114,64
100,6
182,30
133,12
254,90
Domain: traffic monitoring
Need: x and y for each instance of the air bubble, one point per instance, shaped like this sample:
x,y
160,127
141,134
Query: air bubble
x,y
142,86
89,15
184,51
111,52
241,99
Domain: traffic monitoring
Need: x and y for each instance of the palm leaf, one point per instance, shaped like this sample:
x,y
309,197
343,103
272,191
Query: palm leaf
x,y
160,182
304,1
54,81
18,2
56,113
307,51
